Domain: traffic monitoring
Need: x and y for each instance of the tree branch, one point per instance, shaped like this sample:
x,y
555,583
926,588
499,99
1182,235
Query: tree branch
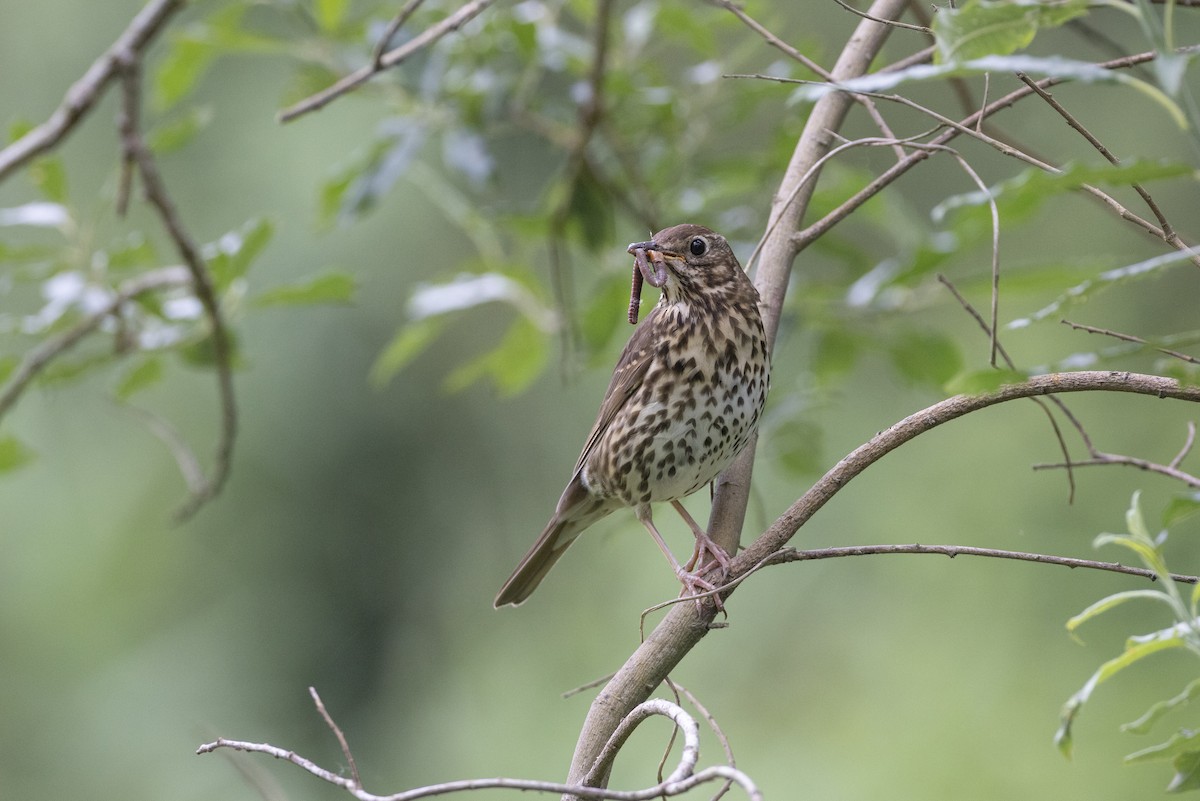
x,y
793,555
682,628
389,59
681,780
136,152
83,95
48,350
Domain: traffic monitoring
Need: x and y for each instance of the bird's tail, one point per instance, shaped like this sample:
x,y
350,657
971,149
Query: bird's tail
x,y
559,534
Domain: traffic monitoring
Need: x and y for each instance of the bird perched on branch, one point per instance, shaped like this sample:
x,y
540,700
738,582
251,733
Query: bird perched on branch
x,y
684,400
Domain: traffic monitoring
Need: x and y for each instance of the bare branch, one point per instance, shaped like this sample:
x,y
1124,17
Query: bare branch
x,y
681,780
337,732
48,350
1131,338
1168,231
389,59
397,22
794,555
83,95
135,150
892,22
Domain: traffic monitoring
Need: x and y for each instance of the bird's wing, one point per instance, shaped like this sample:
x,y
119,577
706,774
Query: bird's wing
x,y
627,377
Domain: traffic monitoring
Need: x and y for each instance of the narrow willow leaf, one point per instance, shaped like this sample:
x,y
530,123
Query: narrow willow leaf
x,y
332,287
144,374
1116,599
173,135
1093,286
1132,654
406,345
1144,723
1187,773
512,365
1182,742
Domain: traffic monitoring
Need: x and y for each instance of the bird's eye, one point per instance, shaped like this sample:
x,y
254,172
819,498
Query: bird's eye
x,y
698,246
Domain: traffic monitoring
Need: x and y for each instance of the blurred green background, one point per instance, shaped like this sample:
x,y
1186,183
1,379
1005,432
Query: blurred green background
x,y
365,531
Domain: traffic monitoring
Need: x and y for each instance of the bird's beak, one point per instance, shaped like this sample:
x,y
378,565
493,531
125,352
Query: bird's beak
x,y
643,245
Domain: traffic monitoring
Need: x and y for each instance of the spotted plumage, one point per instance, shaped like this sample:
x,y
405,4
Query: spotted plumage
x,y
683,402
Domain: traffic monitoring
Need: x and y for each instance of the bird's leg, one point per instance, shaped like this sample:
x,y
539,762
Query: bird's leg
x,y
693,584
703,543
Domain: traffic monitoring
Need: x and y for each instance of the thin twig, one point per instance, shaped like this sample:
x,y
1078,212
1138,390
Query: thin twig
x,y
337,732
397,22
155,190
795,555
1131,338
83,95
892,22
1168,231
1187,446
681,780
452,23
1042,403
869,105
48,350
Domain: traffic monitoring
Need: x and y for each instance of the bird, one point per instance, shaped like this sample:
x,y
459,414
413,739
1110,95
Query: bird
x,y
684,400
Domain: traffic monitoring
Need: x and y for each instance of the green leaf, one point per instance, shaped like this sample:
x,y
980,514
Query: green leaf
x,y
1093,286
1187,773
173,135
231,256
185,62
50,177
1052,66
202,353
512,365
982,27
135,251
405,346
977,382
925,357
146,373
330,13
332,287
13,454
1180,743
1144,723
1134,652
1116,599
1180,508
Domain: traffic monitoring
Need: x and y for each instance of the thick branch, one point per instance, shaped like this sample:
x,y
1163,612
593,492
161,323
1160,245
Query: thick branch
x,y
84,93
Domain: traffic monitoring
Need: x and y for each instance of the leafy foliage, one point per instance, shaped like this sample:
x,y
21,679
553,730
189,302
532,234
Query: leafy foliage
x,y
1182,749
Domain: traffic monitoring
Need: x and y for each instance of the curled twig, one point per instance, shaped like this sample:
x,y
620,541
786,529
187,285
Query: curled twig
x,y
682,779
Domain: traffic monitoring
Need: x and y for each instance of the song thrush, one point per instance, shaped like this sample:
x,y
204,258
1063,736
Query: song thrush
x,y
684,400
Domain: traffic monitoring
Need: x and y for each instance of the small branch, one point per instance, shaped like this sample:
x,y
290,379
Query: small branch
x,y
1131,338
135,150
48,350
1168,231
389,59
681,780
892,22
1042,403
1188,442
1099,459
83,95
774,41
397,22
794,555
337,732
